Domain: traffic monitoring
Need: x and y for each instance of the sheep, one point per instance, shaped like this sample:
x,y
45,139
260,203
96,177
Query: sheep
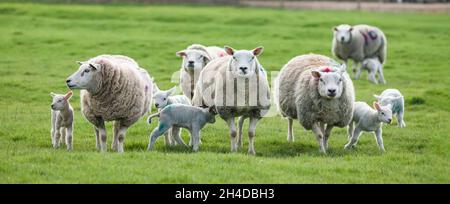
x,y
317,91
178,116
369,120
358,42
373,66
237,86
113,88
195,57
397,101
164,98
62,120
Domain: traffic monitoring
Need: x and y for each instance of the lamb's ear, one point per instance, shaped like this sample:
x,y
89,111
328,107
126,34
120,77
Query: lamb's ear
x,y
171,91
343,68
257,51
52,94
181,53
79,62
376,105
377,96
229,50
155,88
95,66
68,95
315,74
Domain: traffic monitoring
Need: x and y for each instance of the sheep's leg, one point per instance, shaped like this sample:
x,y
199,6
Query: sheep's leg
x,y
251,135
354,139
97,138
167,140
63,135
69,138
371,77
379,139
240,131
57,137
121,138
381,76
319,136
195,135
355,67
350,131
232,126
358,70
102,136
158,131
400,121
176,136
290,137
327,134
53,136
115,142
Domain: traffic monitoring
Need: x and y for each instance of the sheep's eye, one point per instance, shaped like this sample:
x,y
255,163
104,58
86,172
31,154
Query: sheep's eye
x,y
201,57
382,113
234,58
321,79
340,80
87,71
164,99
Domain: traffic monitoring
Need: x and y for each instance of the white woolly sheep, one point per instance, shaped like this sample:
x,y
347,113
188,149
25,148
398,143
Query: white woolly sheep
x,y
62,120
373,66
359,42
318,92
178,116
164,98
195,57
397,101
236,85
113,88
369,120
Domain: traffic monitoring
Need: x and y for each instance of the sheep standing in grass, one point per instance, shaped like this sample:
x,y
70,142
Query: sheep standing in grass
x,y
113,88
397,102
318,92
369,120
237,86
359,42
195,57
178,116
62,120
374,67
163,99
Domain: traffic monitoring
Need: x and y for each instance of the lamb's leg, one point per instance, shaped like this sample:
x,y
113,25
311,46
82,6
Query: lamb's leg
x,y
97,138
355,68
371,77
350,131
240,131
319,136
251,135
53,136
290,137
63,135
379,138
69,138
121,138
358,70
167,140
115,142
232,126
354,139
400,121
57,137
326,135
381,76
158,131
195,135
176,136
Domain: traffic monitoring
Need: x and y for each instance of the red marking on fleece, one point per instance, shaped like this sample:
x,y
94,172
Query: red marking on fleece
x,y
327,69
222,54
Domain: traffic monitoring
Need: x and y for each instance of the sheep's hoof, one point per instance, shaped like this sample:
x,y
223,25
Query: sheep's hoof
x,y
252,152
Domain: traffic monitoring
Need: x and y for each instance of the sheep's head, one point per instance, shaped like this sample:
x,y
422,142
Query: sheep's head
x,y
194,60
329,81
210,114
343,33
244,62
60,101
384,112
86,77
161,97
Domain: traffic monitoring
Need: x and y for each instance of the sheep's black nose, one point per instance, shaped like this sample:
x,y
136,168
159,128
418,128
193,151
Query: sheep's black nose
x,y
332,91
156,105
389,121
191,62
68,81
52,106
243,68
342,38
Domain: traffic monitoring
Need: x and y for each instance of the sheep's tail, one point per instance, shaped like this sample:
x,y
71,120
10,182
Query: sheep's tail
x,y
382,52
149,119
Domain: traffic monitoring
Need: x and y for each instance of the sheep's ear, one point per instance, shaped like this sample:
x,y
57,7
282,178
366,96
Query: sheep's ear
x,y
229,50
206,59
52,94
68,95
181,53
95,66
343,68
335,28
171,91
376,96
315,74
155,88
257,51
376,105
79,62
351,29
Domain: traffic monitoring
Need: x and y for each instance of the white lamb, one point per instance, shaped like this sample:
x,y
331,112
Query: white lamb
x,y
369,120
164,98
359,42
373,66
318,92
237,86
62,120
178,116
113,88
397,102
195,57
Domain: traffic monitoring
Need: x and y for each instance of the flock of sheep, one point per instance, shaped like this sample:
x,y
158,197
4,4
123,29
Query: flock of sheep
x,y
314,89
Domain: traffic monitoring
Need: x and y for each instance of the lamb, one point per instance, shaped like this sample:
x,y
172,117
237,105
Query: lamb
x,y
237,86
195,57
318,92
373,66
369,120
178,116
164,98
358,43
62,120
113,88
397,102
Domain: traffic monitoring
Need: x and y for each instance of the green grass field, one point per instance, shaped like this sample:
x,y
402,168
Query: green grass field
x,y
39,45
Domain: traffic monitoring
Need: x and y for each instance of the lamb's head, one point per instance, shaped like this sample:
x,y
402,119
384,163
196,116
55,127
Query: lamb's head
x,y
161,97
194,60
329,81
210,114
244,62
343,33
387,99
60,101
88,76
371,63
384,112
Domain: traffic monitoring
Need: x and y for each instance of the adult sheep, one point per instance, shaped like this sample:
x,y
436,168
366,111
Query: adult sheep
x,y
359,42
195,57
237,86
113,88
318,92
